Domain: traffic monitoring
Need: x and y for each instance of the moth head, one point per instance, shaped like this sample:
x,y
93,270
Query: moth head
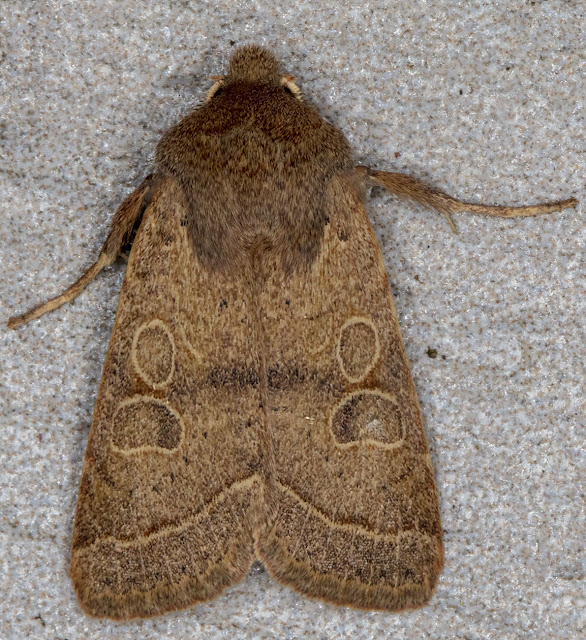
x,y
254,65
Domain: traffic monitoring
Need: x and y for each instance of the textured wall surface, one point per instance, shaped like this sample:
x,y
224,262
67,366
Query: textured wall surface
x,y
484,100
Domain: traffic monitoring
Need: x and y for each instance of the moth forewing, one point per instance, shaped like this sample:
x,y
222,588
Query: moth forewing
x,y
256,400
357,516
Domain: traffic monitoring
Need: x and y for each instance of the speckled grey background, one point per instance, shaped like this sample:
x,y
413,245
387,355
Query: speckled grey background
x,y
483,99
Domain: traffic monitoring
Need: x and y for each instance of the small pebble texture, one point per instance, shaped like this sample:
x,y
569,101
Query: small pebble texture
x,y
485,100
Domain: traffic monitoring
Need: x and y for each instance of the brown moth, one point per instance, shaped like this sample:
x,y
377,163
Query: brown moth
x,y
256,401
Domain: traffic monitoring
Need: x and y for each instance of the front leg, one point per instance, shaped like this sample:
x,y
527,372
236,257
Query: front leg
x,y
124,221
407,187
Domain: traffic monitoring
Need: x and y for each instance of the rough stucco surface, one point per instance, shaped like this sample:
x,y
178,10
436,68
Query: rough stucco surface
x,y
486,101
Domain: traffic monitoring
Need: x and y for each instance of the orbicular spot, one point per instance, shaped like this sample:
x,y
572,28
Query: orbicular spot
x,y
153,354
371,417
145,424
358,348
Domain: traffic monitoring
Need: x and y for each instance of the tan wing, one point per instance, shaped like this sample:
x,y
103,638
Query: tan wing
x,y
171,482
357,519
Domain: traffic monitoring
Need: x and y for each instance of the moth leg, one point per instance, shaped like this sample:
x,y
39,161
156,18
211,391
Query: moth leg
x,y
407,187
124,221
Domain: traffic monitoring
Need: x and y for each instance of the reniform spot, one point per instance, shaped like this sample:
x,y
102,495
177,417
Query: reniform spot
x,y
142,424
368,416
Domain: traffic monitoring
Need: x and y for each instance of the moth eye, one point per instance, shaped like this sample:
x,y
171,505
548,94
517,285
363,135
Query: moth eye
x,y
290,87
215,90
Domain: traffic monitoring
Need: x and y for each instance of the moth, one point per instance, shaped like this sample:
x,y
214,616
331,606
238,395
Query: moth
x,y
256,401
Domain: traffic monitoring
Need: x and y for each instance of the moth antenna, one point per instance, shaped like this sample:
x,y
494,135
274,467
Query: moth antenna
x,y
218,84
287,82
